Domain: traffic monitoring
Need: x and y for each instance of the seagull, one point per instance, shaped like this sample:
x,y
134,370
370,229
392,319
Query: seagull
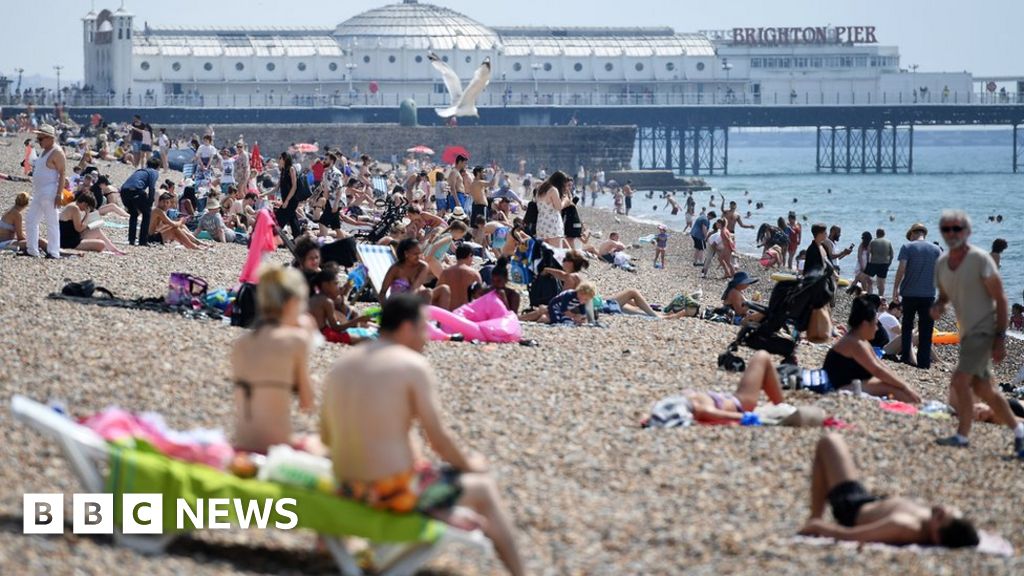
x,y
463,103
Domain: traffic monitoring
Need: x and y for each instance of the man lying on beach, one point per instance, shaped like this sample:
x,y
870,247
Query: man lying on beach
x,y
863,517
372,399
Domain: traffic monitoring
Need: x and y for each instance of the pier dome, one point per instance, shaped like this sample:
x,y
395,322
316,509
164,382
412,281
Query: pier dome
x,y
415,26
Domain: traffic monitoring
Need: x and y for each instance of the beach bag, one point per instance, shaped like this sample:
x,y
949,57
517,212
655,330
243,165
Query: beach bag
x,y
530,219
83,289
681,302
243,308
573,226
184,289
302,189
819,326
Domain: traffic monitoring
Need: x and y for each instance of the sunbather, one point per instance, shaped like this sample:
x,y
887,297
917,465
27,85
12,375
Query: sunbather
x,y
164,230
372,399
863,517
734,299
499,284
12,228
852,358
408,274
271,362
572,264
75,234
760,375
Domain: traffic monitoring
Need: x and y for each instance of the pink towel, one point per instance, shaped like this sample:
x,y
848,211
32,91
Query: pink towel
x,y
201,446
262,241
898,407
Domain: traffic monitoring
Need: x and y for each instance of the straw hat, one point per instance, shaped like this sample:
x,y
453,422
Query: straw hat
x,y
46,130
917,227
458,213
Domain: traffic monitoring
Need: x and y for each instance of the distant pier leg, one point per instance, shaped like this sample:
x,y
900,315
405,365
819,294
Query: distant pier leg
x,y
817,152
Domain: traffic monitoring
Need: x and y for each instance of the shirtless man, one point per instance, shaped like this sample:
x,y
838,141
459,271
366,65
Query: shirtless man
x,y
163,230
670,200
863,517
460,276
732,217
456,181
606,251
627,194
372,398
478,194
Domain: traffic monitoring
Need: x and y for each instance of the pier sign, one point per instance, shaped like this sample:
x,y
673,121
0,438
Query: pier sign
x,y
777,36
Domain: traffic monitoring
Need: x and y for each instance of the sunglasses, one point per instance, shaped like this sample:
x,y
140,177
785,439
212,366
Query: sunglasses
x,y
951,229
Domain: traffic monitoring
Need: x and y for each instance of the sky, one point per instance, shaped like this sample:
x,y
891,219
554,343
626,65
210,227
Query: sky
x,y
981,36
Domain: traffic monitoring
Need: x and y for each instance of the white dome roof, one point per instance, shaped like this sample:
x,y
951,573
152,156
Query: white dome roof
x,y
415,26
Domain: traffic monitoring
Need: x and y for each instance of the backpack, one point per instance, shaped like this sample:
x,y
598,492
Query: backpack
x,y
544,287
530,219
243,309
84,289
573,224
302,190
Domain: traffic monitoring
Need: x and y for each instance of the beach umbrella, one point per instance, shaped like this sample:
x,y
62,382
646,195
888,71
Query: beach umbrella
x,y
449,154
306,148
255,160
421,149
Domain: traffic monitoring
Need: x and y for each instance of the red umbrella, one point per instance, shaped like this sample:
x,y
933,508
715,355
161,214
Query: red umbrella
x,y
449,154
255,160
306,148
421,149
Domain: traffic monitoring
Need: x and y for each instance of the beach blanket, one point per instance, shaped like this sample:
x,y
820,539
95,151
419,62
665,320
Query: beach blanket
x,y
989,543
144,471
198,445
153,304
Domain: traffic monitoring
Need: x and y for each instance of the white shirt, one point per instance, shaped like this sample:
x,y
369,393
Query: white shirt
x,y
163,141
715,239
206,152
889,323
228,166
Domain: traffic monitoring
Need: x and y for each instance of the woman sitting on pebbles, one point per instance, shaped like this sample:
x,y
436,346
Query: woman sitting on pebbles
x,y
75,234
271,362
12,229
852,358
733,298
408,274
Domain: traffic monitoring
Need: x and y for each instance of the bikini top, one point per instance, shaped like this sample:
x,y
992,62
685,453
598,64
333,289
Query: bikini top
x,y
247,388
6,226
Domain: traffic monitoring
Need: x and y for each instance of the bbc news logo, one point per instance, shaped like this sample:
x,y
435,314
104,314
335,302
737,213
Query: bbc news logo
x,y
144,513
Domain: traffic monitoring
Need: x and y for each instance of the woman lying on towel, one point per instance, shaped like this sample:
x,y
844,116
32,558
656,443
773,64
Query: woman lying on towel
x,y
271,362
714,407
852,358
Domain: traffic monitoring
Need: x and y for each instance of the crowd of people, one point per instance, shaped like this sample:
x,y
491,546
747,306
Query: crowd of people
x,y
464,231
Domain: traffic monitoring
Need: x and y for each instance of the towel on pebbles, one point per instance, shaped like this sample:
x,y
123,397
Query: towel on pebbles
x,y
988,543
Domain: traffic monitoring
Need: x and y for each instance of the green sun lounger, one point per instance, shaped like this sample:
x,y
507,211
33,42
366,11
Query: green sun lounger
x,y
402,543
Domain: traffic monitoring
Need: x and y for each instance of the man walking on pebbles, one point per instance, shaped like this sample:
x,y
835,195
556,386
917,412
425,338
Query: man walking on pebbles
x,y
967,276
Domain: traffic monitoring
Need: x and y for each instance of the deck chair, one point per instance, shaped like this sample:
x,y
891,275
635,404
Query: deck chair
x,y
377,260
401,543
188,170
380,186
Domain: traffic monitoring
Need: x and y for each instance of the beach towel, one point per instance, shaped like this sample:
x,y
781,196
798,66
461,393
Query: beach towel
x,y
988,543
198,445
262,241
143,470
898,407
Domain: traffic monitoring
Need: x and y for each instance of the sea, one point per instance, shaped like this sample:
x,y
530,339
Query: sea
x,y
951,170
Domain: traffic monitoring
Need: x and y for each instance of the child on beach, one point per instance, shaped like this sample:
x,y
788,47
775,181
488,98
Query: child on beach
x,y
1017,317
329,302
660,244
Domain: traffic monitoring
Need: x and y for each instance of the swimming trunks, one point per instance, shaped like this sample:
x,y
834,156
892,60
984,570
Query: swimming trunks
x,y
335,336
846,499
424,489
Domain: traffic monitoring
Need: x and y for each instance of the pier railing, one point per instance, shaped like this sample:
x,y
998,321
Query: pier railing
x,y
507,99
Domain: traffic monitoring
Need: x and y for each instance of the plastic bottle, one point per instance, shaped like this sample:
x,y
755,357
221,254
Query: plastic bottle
x,y
286,465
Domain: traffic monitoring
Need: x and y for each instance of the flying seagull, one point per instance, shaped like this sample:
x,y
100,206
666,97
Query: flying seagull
x,y
463,103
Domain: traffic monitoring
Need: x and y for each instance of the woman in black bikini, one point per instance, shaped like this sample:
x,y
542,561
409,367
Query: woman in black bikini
x,y
271,363
852,358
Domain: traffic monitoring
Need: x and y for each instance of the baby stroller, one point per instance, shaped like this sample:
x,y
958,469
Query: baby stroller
x,y
789,312
393,214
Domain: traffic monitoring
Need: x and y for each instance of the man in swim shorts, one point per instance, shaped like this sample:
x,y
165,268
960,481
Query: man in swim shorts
x,y
967,276
372,398
861,516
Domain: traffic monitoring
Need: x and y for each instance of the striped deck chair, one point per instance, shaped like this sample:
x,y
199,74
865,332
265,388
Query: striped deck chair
x,y
401,542
377,260
380,186
188,170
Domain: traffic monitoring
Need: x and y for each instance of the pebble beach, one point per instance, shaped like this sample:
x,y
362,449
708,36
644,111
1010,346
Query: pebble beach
x,y
589,490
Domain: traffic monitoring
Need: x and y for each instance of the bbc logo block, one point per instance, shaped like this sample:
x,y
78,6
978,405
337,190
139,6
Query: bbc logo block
x,y
92,514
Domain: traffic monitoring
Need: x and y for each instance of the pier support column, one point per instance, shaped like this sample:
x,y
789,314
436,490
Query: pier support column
x,y
1018,149
817,151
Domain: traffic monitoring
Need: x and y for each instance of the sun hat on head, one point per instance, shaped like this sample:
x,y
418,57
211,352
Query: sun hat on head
x,y
741,278
46,130
917,227
458,213
662,227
